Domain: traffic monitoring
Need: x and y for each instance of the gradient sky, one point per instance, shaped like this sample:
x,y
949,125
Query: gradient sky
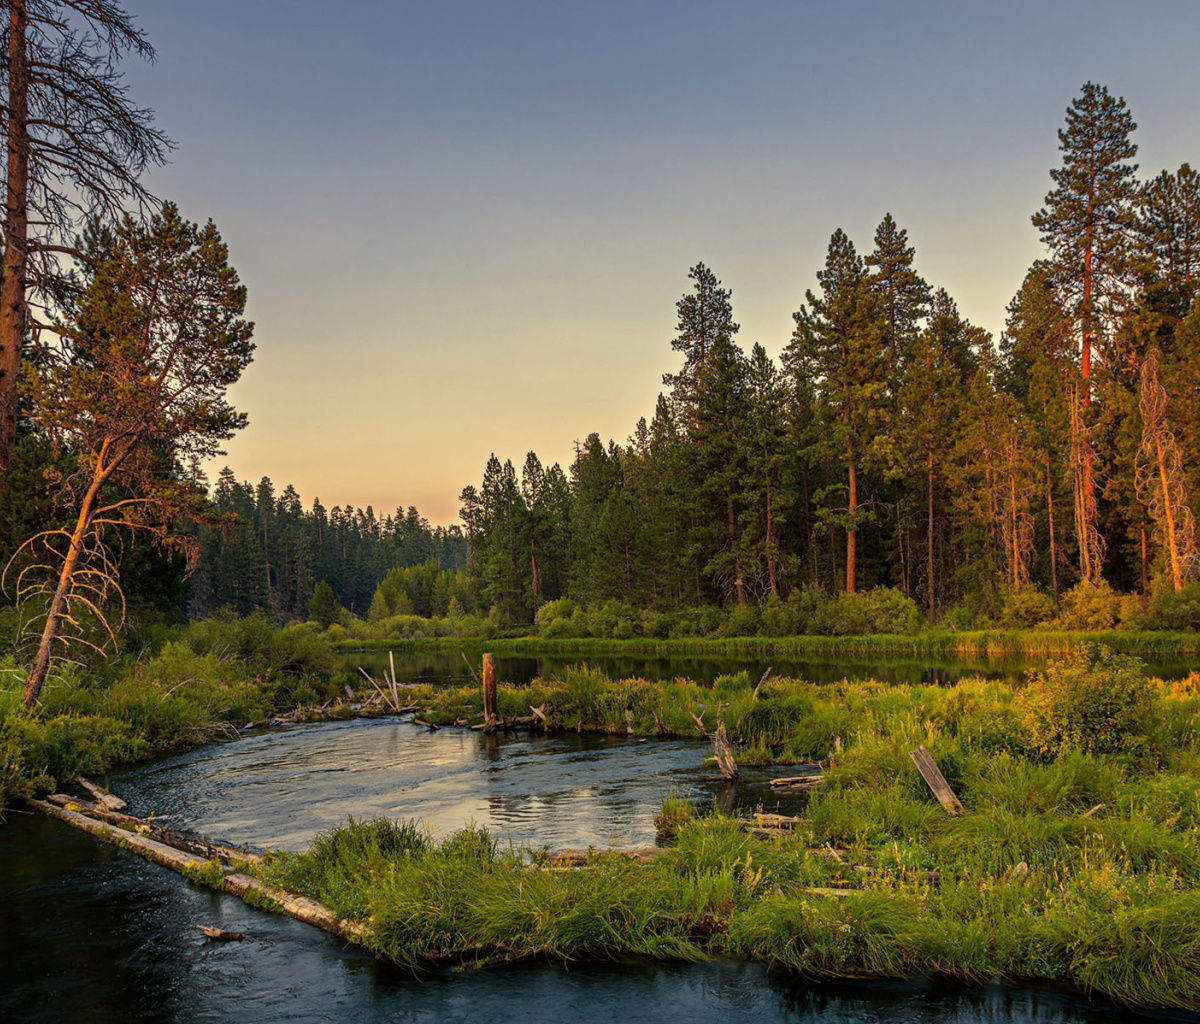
x,y
464,225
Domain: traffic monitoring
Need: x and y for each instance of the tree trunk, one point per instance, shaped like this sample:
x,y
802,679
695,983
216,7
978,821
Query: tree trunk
x,y
1169,514
851,532
16,232
929,539
1053,545
57,608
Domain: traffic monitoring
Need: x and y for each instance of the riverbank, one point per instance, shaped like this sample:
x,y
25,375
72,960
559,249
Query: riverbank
x,y
1077,859
994,643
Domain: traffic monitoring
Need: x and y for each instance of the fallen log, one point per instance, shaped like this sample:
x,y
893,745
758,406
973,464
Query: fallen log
x,y
197,845
105,799
257,893
797,780
775,820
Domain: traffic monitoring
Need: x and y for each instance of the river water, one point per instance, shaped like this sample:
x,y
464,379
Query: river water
x,y
442,669
90,933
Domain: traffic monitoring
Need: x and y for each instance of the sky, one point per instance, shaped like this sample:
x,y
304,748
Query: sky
x,y
464,226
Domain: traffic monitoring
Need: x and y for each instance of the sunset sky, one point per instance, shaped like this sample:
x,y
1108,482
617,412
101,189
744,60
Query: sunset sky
x,y
464,226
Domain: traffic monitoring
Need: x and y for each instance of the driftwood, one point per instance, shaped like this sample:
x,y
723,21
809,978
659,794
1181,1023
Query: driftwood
x,y
104,799
935,780
699,725
220,934
775,821
806,781
491,709
723,752
660,728
760,683
431,726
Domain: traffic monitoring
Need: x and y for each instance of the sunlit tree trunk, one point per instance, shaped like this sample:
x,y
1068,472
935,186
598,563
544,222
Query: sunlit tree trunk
x,y
16,231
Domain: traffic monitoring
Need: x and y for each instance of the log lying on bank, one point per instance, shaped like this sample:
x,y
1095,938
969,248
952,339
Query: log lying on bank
x,y
251,890
105,799
801,782
198,846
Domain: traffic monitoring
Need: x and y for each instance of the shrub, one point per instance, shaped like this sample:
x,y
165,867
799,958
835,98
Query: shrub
x,y
882,610
1175,610
1094,700
1026,607
743,620
1089,607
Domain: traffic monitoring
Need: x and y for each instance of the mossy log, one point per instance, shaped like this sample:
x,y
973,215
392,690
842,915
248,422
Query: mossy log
x,y
213,873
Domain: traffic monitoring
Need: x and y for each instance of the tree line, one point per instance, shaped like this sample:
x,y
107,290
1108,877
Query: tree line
x,y
266,552
894,443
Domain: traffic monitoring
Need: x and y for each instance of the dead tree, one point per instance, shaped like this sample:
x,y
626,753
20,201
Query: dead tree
x,y
1160,478
75,147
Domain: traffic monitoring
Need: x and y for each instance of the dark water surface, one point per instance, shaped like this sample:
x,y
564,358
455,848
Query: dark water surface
x,y
89,933
928,669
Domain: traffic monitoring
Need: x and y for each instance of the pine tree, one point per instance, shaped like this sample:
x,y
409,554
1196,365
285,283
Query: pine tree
x,y
838,339
1088,223
720,449
766,498
904,295
704,315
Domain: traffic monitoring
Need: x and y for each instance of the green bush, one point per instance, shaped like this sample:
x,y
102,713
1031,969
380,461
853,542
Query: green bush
x,y
1175,610
1089,608
1026,607
882,610
744,620
1093,700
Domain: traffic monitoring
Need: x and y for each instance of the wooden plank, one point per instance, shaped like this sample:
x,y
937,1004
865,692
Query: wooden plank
x,y
935,780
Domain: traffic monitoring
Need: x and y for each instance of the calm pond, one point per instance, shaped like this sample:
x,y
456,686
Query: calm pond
x,y
445,669
88,932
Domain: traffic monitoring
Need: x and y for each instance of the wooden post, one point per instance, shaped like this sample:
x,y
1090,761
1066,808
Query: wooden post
x,y
490,709
936,781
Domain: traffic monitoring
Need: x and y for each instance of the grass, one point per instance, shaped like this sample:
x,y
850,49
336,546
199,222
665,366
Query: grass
x,y
1021,897
202,682
1077,860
